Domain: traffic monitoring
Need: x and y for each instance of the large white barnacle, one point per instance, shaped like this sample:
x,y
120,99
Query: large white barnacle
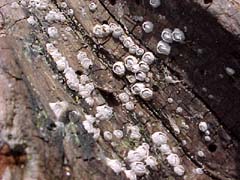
x,y
148,57
92,6
130,61
140,76
104,112
118,133
115,165
143,66
178,35
117,32
147,26
173,159
146,94
86,90
179,170
151,161
140,51
135,132
203,126
134,156
119,68
59,108
129,106
130,174
159,138
98,31
31,20
137,88
128,42
86,63
139,168
166,35
52,32
155,3
165,149
163,48
62,64
107,135
124,97
143,150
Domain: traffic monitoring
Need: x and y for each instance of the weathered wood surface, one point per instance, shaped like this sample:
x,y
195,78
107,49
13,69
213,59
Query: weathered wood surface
x,y
32,149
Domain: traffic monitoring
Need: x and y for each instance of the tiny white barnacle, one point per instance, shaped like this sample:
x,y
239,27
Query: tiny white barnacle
x,y
129,106
31,20
90,118
143,66
179,110
119,68
132,49
207,138
53,32
178,35
137,88
128,42
117,32
230,71
124,97
200,154
203,126
92,6
148,58
163,48
118,133
173,159
166,35
179,170
115,165
165,149
59,108
130,174
140,76
104,112
107,135
198,171
147,26
159,138
139,168
140,51
170,100
146,94
129,62
151,161
63,5
155,3
70,12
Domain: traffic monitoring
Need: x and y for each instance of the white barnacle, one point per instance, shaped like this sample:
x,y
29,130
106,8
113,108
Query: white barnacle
x,y
104,112
140,76
90,118
146,94
124,97
173,159
143,150
51,48
106,30
131,78
198,171
178,35
166,35
200,154
151,161
115,165
31,20
81,55
70,12
139,168
84,79
63,5
90,101
169,79
86,63
134,156
59,108
52,32
96,133
129,106
88,126
132,49
135,132
118,133
140,51
128,42
119,68
92,7
159,138
107,135
147,26
117,31
130,174
230,71
155,3
86,90
179,170
143,66
148,58
72,80
137,88
163,48
98,31
207,138
203,126
165,149
62,64
113,26
129,62
179,110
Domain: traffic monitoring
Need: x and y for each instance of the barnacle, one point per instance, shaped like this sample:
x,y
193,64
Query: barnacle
x,y
179,170
115,165
159,138
143,66
130,174
146,93
151,161
139,168
137,88
148,57
129,106
166,35
178,35
147,26
59,108
119,68
155,3
118,134
140,76
53,32
107,135
129,62
92,6
163,48
124,97
104,112
173,159
203,126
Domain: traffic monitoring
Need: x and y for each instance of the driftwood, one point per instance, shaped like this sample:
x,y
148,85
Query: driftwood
x,y
32,146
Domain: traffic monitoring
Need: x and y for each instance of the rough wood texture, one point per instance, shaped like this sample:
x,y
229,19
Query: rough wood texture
x,y
33,147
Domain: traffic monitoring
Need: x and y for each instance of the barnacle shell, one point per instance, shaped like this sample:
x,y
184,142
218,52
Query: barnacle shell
x,y
117,32
104,112
147,26
143,66
118,134
140,76
86,63
137,88
173,159
124,97
90,101
139,51
134,156
52,32
135,132
107,135
59,108
86,90
203,126
163,48
165,149
114,164
139,168
84,79
90,118
130,61
143,150
62,64
148,57
119,68
81,55
166,35
92,6
132,49
129,106
31,20
106,29
131,78
230,71
155,3
70,12
98,31
159,138
146,93
178,35
128,42
151,161
130,174
179,170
